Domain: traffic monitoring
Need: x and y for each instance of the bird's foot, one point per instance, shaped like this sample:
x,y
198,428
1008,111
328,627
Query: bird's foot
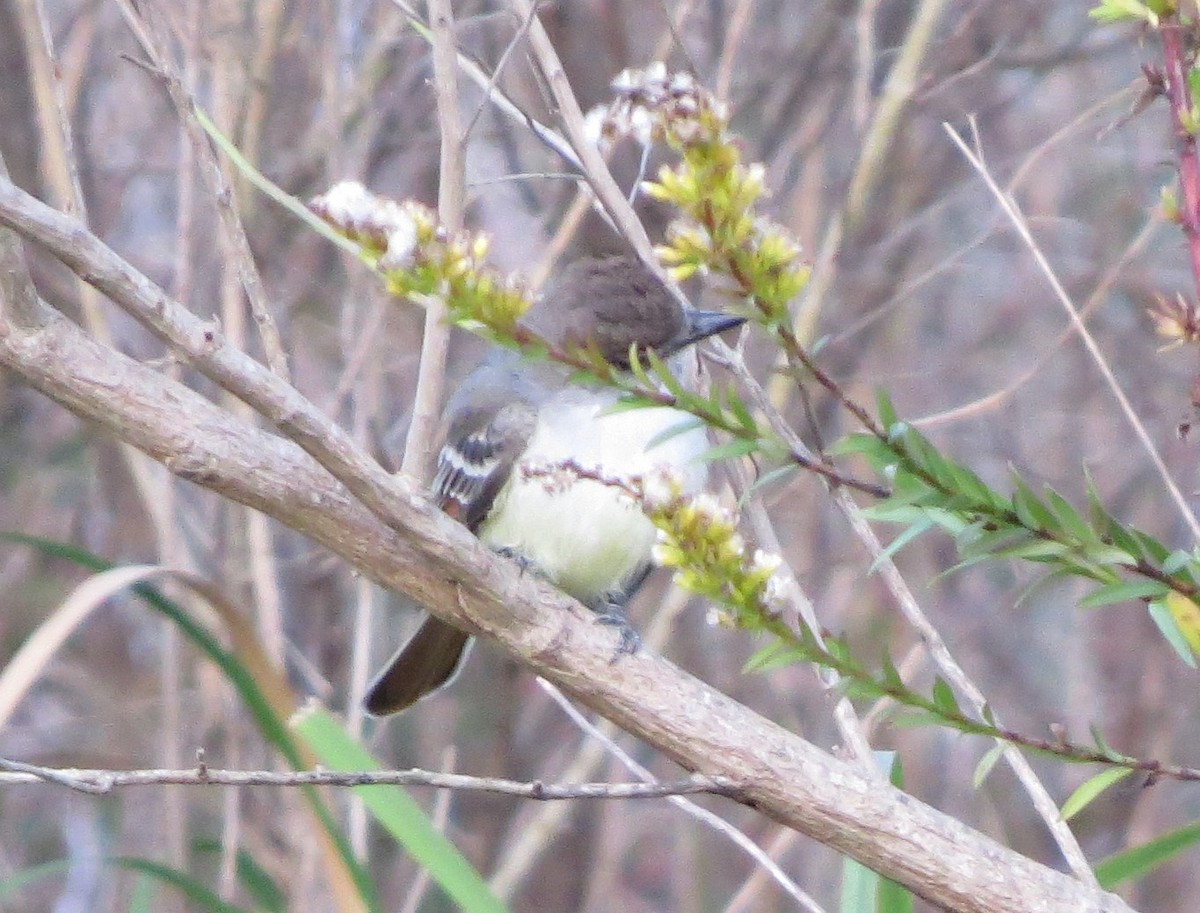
x,y
629,642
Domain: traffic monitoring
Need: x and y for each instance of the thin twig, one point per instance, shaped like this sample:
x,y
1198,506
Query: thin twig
x,y
546,135
490,88
897,90
594,168
102,782
954,673
1010,208
788,778
439,817
529,838
431,375
154,46
729,53
268,29
61,169
703,815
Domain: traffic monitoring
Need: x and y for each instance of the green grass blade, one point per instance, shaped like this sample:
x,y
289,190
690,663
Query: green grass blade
x,y
272,727
399,814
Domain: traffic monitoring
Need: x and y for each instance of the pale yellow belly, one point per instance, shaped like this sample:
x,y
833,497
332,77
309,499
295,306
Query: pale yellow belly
x,y
588,538
600,538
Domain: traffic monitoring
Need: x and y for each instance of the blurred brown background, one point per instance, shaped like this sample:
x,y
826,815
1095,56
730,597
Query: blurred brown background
x,y
930,295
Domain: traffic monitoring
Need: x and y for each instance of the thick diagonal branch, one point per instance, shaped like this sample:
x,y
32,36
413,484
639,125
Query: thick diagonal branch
x,y
423,553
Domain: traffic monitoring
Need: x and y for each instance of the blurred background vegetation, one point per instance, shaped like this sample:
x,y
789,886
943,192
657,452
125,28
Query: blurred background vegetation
x,y
926,292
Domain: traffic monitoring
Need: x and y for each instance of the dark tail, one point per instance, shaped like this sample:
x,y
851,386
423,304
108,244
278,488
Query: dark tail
x,y
428,661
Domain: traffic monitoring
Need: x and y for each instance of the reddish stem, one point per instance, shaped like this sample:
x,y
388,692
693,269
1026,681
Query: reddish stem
x,y
1179,95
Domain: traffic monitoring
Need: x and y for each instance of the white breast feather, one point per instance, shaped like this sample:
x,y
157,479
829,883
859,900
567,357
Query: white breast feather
x,y
589,538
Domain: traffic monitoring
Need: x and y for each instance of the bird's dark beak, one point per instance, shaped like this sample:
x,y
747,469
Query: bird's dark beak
x,y
702,324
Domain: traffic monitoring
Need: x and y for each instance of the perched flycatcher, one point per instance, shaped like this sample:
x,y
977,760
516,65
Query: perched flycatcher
x,y
585,537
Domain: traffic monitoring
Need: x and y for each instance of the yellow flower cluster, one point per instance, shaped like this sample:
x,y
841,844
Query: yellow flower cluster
x,y
698,538
714,190
417,256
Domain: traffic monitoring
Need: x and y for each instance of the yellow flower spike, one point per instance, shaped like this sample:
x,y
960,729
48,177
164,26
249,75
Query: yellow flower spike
x,y
656,190
683,271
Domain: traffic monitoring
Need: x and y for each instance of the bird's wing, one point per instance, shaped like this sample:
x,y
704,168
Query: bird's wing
x,y
477,458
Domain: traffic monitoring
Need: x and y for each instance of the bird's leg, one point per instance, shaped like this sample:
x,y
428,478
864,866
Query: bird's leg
x,y
612,611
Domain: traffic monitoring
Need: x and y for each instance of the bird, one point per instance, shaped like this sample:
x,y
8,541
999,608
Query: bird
x,y
585,537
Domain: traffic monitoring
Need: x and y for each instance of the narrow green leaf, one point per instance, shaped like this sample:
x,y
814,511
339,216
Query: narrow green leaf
x,y
637,369
992,542
860,888
1150,548
856,444
1141,860
1177,561
911,719
1090,789
257,882
894,897
1075,526
961,566
1109,555
663,375
943,697
141,898
922,454
887,412
1102,746
986,763
1081,567
1029,507
908,489
775,655
197,894
768,478
971,486
683,427
1161,615
730,450
271,726
894,767
27,876
1040,583
889,674
399,814
631,402
741,412
1122,592
1192,567
857,688
924,524
1037,550
888,512
270,189
950,522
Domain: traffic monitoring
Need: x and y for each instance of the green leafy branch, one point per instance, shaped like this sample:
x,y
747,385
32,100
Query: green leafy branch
x,y
699,541
1177,80
930,491
719,230
940,707
720,233
416,257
